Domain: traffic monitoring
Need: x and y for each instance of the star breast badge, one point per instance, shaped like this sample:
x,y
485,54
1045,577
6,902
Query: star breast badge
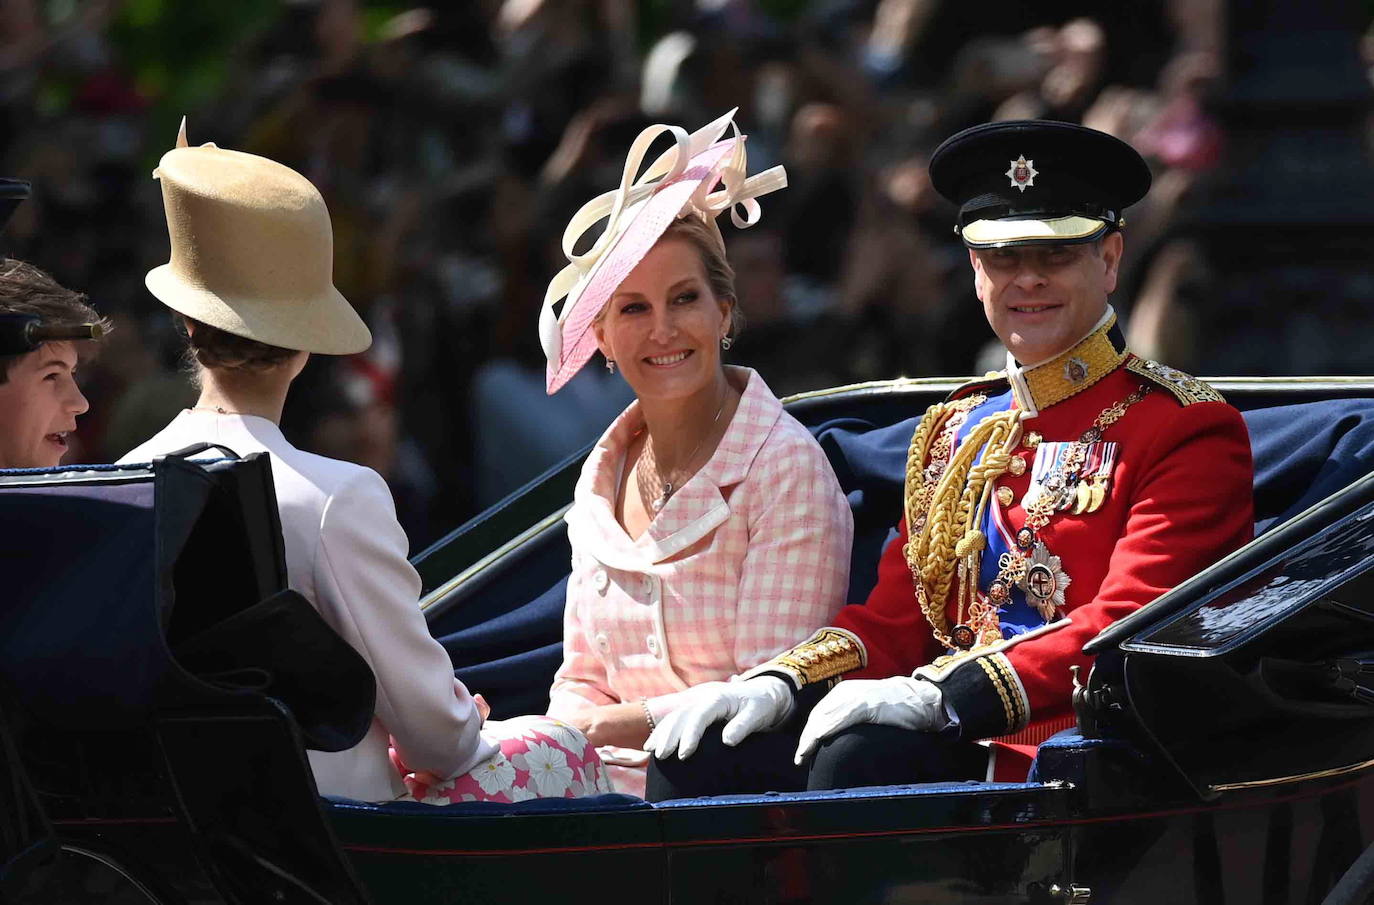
x,y
1045,582
1022,173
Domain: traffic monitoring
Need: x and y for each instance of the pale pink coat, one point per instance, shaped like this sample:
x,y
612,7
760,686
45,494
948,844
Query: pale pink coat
x,y
748,557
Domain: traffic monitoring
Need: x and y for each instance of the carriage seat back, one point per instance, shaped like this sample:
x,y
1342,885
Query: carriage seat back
x,y
155,662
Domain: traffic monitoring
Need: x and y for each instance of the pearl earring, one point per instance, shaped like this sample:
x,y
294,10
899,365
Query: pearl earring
x,y
610,365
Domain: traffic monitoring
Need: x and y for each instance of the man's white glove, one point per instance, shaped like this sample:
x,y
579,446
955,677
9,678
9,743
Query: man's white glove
x,y
900,701
763,702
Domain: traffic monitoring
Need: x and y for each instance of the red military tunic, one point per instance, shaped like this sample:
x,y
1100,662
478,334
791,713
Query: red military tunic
x,y
1179,498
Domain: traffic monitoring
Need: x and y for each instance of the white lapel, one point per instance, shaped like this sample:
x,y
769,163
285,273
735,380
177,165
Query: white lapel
x,y
690,514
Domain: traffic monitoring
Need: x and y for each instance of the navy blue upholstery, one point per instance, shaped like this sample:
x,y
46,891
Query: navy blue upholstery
x,y
1069,741
511,658
870,463
1305,453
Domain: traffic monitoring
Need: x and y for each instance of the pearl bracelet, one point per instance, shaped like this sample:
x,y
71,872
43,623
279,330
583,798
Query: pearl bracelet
x,y
648,714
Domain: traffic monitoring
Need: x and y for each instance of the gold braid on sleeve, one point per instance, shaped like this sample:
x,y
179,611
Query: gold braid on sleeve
x,y
826,654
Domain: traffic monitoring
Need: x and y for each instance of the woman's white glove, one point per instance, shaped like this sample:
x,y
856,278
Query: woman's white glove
x,y
900,701
762,702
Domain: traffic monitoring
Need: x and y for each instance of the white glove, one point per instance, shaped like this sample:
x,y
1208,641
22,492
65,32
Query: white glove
x,y
762,702
899,701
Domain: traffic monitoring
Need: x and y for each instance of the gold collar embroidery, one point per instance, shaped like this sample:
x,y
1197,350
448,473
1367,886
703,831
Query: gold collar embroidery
x,y
1094,357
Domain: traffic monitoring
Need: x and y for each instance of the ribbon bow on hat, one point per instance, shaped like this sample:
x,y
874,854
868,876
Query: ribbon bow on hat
x,y
680,182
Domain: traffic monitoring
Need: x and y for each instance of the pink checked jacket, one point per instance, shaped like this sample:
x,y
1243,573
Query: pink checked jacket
x,y
749,555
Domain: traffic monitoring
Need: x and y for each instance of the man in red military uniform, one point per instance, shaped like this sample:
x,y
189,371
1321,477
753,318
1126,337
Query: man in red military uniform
x,y
1042,504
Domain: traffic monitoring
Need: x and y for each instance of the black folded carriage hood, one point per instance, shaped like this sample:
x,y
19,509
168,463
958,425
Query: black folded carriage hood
x,y
1260,669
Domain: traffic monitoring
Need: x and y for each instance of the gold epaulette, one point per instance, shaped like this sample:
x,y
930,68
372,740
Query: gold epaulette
x,y
1186,388
826,654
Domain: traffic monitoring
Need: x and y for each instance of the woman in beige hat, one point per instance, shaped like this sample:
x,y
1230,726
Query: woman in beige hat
x,y
250,277
707,527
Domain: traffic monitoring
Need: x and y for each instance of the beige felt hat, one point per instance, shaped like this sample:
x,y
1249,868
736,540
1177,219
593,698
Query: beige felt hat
x,y
252,252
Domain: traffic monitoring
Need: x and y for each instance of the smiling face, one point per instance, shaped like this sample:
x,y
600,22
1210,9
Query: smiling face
x,y
38,407
1042,299
663,325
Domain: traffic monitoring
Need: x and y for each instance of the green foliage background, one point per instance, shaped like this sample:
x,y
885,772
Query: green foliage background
x,y
179,52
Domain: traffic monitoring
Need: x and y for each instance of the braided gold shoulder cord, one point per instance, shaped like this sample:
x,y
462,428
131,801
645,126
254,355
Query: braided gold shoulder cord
x,y
945,509
950,500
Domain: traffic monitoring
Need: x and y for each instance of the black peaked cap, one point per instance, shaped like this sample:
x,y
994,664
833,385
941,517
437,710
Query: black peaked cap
x,y
1038,170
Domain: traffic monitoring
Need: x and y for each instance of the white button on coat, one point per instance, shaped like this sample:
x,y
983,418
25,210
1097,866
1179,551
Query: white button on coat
x,y
603,642
601,581
652,644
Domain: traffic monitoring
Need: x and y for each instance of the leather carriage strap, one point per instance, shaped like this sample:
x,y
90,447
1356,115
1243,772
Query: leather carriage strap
x,y
282,648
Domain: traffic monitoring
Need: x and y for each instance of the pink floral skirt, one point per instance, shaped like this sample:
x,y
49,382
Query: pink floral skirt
x,y
539,757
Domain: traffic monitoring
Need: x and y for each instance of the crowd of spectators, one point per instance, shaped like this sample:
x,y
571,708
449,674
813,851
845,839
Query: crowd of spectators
x,y
452,144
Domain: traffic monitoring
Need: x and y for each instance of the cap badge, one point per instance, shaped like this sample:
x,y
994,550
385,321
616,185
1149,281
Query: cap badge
x,y
1022,173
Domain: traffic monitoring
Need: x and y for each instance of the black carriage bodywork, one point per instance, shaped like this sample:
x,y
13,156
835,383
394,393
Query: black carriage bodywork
x,y
1224,752
158,685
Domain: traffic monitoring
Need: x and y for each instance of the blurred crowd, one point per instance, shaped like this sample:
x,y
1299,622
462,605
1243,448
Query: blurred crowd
x,y
452,145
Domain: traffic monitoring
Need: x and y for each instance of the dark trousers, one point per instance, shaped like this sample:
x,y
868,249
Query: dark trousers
x,y
864,755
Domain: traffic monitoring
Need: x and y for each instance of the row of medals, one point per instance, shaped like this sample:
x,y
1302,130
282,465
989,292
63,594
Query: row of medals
x,y
1076,494
1037,572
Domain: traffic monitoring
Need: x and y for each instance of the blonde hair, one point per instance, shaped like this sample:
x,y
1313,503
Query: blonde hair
x,y
705,237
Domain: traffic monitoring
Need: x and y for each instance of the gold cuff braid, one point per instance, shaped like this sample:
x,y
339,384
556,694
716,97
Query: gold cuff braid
x,y
826,654
1002,676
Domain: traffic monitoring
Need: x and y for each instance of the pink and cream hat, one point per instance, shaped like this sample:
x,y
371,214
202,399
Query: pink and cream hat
x,y
682,182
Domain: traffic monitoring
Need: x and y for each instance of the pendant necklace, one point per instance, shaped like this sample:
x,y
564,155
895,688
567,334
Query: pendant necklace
x,y
667,486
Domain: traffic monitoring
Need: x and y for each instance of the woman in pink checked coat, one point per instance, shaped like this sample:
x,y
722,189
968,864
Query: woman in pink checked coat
x,y
751,553
708,530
